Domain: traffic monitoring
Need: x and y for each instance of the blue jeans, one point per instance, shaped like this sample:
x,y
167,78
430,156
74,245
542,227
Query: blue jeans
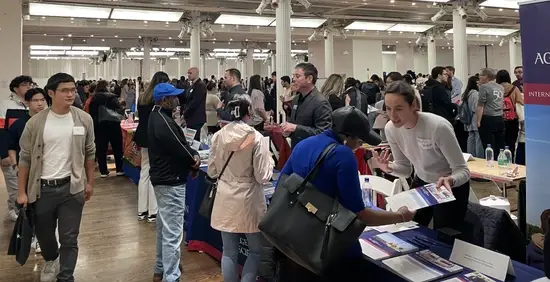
x,y
171,206
231,253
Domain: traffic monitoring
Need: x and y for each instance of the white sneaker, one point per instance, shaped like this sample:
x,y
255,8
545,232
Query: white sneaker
x,y
120,173
35,246
12,215
104,175
50,271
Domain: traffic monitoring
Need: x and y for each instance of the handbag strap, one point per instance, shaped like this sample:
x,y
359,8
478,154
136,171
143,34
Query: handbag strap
x,y
225,165
320,160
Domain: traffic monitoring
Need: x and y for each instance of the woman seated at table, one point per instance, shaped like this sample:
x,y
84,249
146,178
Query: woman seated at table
x,y
240,202
426,142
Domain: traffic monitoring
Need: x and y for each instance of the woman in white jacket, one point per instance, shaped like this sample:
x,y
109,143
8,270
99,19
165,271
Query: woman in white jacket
x,y
240,202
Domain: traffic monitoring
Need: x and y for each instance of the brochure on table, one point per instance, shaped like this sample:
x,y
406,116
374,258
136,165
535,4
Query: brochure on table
x,y
385,245
190,137
470,277
422,266
482,260
421,197
467,157
394,228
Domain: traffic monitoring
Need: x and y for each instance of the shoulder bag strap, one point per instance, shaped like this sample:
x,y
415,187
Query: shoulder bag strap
x,y
320,160
225,165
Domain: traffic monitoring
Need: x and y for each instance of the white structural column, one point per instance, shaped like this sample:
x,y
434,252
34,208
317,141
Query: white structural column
x,y
181,71
146,66
249,62
195,40
460,44
221,68
96,70
283,40
432,55
203,72
119,66
106,71
513,48
404,58
329,54
11,36
26,59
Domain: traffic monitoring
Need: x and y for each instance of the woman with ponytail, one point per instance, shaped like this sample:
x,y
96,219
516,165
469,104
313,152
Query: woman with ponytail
x,y
240,202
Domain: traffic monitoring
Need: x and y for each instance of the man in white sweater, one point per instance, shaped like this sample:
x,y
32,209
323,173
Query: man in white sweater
x,y
426,142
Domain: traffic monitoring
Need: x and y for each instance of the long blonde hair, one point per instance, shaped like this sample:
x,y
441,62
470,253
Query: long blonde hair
x,y
147,97
334,85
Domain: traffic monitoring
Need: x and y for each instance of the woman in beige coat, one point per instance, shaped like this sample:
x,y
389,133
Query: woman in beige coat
x,y
240,201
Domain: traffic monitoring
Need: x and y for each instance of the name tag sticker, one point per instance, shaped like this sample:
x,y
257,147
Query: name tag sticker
x,y
425,144
78,131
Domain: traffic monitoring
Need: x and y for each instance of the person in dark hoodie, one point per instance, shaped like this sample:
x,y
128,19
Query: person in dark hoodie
x,y
232,81
436,98
171,160
106,131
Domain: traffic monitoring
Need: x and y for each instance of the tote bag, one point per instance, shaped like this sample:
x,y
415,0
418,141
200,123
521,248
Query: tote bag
x,y
106,114
308,226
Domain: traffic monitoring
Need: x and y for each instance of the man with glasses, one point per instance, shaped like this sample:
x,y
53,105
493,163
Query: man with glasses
x,y
436,98
10,110
56,175
518,71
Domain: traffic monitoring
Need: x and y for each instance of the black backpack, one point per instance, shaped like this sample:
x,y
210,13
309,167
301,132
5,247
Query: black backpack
x,y
427,100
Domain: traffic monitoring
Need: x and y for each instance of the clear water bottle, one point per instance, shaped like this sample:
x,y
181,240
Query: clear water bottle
x,y
489,156
508,155
366,187
501,159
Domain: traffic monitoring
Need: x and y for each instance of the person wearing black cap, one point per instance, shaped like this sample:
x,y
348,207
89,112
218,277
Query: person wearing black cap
x,y
171,159
426,142
337,177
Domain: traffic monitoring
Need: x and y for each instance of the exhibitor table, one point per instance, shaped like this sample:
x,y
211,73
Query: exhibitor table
x,y
201,237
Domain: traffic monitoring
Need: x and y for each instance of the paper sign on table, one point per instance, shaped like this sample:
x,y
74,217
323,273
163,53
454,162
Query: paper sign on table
x,y
482,260
421,197
398,227
467,157
422,266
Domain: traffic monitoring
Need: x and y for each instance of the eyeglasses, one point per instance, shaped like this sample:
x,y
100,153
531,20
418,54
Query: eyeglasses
x,y
25,84
38,100
67,90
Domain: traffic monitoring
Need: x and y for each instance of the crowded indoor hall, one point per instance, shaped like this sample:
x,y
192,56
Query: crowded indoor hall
x,y
274,140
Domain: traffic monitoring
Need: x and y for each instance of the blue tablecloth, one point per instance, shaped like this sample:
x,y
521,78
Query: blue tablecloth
x,y
201,237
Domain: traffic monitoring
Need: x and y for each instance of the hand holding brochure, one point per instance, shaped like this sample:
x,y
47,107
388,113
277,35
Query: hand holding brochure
x,y
385,245
422,266
421,197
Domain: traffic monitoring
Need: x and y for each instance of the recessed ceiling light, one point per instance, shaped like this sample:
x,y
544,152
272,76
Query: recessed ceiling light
x,y
61,39
303,41
392,1
170,37
401,32
268,43
396,42
214,39
229,43
181,41
500,10
45,34
70,35
413,3
114,21
167,22
409,42
120,40
516,10
43,17
103,39
139,37
144,21
246,39
83,40
92,35
98,20
116,36
72,19
223,26
230,39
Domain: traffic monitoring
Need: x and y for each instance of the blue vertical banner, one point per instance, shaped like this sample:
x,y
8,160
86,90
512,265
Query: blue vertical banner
x,y
535,43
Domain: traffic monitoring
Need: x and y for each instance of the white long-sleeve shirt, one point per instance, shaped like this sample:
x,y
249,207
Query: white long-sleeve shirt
x,y
431,147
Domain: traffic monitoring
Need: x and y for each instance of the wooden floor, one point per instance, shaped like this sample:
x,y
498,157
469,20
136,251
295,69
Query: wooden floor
x,y
114,246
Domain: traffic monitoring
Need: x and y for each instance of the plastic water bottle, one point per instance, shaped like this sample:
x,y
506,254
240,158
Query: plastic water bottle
x,y
502,160
366,187
508,155
489,156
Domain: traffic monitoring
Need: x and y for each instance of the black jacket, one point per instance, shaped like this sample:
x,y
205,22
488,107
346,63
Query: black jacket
x,y
15,131
140,136
195,112
436,99
170,156
312,115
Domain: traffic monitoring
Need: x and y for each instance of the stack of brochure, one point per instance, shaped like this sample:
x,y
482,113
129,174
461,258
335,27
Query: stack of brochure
x,y
471,277
422,266
421,197
385,245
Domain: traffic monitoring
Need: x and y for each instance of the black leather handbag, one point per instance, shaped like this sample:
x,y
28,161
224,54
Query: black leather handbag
x,y
107,114
308,226
211,186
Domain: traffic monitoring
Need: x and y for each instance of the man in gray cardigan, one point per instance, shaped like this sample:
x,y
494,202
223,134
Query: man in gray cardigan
x,y
56,175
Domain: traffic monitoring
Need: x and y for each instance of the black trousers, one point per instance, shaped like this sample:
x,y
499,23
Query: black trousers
x,y
491,131
108,132
445,215
461,135
213,129
520,153
511,135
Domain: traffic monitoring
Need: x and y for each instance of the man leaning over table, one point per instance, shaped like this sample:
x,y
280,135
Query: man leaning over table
x,y
171,159
56,175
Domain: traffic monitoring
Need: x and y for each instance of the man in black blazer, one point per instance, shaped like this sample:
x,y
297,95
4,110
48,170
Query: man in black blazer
x,y
311,112
195,112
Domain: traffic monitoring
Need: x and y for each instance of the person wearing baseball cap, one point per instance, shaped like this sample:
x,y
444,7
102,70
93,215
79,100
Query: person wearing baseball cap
x,y
337,177
171,159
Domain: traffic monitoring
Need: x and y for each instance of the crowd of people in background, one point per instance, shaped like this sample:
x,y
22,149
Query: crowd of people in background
x,y
485,110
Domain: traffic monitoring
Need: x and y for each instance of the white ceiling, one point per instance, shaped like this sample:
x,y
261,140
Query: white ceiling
x,y
401,16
